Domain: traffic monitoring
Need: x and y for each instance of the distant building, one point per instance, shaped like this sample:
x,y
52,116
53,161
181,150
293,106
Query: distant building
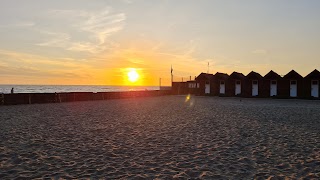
x,y
179,88
270,84
236,84
292,85
205,85
193,87
254,84
219,81
311,84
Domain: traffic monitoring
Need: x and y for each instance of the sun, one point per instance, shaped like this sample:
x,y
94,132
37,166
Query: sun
x,y
133,76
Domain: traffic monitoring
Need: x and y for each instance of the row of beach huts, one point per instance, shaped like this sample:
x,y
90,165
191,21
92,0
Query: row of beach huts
x,y
291,85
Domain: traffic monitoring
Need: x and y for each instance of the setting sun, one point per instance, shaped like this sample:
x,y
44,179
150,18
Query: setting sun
x,y
133,76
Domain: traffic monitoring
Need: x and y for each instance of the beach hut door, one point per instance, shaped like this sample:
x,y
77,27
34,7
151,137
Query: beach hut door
x,y
293,88
273,88
222,87
315,88
207,88
238,87
254,88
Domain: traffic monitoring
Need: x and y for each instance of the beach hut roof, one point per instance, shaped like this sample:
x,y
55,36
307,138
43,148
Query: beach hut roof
x,y
292,75
204,76
254,75
219,75
315,74
272,75
237,75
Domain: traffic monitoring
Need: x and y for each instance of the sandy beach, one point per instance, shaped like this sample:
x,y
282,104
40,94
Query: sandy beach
x,y
162,137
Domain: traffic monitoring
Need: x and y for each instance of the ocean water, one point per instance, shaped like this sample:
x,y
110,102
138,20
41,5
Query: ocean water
x,y
70,88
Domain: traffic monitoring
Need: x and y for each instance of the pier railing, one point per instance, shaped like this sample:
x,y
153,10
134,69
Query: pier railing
x,y
39,98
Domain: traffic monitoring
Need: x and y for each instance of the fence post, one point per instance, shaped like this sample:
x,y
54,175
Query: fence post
x,y
2,99
30,99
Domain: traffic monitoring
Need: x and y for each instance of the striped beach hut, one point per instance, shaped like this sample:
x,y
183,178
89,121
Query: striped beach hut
x,y
291,85
311,84
236,84
270,84
254,84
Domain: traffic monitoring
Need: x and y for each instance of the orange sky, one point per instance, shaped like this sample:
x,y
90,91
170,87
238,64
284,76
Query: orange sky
x,y
98,44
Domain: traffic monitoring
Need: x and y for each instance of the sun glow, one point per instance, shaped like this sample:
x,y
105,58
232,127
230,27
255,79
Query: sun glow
x,y
133,76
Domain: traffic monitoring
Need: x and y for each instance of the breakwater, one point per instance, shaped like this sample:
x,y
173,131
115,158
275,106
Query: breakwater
x,y
39,98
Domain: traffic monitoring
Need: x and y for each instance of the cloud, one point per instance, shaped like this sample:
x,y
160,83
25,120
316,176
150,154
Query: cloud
x,y
36,69
22,24
71,14
18,59
260,51
154,58
103,24
127,1
83,31
56,39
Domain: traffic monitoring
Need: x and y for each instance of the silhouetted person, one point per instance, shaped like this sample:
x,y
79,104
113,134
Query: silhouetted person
x,y
12,90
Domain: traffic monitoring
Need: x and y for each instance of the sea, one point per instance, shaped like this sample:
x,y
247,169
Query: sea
x,y
6,89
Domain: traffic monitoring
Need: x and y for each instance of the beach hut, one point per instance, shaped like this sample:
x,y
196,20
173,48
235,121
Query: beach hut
x,y
193,86
205,85
311,84
219,84
270,84
291,85
254,84
236,84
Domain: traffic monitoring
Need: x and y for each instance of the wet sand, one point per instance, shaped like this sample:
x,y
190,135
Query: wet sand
x,y
162,137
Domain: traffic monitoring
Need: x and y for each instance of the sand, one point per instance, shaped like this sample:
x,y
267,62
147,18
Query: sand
x,y
162,138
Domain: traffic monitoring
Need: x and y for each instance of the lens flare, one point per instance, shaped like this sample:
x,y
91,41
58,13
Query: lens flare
x,y
188,98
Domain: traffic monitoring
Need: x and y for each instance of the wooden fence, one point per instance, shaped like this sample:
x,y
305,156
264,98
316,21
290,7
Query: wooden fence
x,y
39,98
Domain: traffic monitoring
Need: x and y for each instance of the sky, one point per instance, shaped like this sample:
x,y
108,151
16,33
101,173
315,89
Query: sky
x,y
97,42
